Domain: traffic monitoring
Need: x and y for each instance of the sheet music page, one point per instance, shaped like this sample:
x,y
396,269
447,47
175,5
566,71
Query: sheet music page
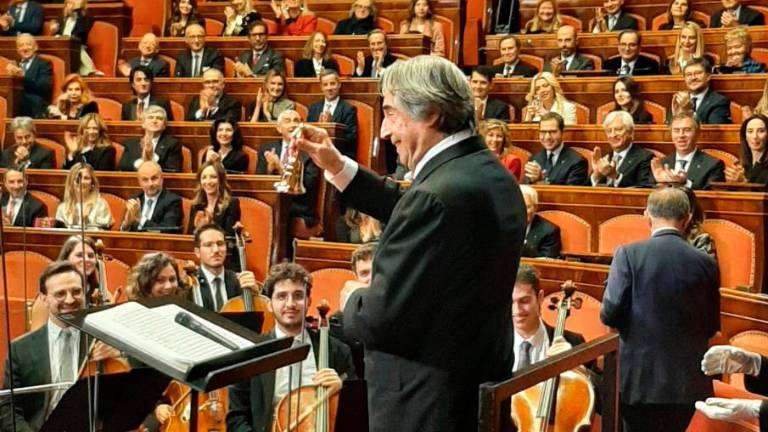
x,y
153,330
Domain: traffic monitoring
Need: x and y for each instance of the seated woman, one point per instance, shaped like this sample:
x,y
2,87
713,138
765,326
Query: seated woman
x,y
91,145
213,201
227,147
678,13
315,57
547,96
357,227
626,96
95,210
76,23
294,18
74,101
689,45
270,99
496,134
421,20
154,145
753,166
238,15
546,20
183,13
738,50
362,19
694,232
542,238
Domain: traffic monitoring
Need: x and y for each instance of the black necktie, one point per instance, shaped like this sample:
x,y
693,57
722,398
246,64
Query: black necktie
x,y
550,163
525,355
206,296
694,102
217,290
683,164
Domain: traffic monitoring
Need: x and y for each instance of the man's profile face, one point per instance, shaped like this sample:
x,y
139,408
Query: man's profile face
x,y
402,131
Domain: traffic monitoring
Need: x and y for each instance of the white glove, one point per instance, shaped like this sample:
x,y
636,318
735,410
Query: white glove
x,y
730,359
730,409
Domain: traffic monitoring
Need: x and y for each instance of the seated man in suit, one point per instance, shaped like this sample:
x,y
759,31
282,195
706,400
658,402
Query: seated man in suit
x,y
481,84
23,16
630,62
569,59
198,58
542,238
25,151
38,77
149,47
252,402
154,208
556,163
212,103
155,145
141,79
611,17
509,51
628,164
372,66
261,57
334,109
734,14
707,105
275,155
687,165
19,207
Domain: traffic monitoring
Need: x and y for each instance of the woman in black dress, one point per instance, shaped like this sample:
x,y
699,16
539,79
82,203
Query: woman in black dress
x,y
626,96
315,57
227,146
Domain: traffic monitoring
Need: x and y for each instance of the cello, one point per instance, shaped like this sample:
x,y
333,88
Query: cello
x,y
572,394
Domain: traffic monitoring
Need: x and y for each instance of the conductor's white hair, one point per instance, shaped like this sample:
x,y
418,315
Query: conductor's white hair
x,y
424,85
626,120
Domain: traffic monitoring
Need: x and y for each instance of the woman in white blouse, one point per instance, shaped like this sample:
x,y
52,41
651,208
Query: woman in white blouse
x,y
95,212
547,96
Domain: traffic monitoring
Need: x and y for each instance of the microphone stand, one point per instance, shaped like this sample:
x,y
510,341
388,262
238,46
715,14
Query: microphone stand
x,y
7,321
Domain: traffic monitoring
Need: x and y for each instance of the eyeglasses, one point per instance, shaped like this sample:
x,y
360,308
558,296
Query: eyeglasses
x,y
694,74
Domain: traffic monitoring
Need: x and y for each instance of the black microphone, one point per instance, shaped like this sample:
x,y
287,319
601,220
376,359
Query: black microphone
x,y
187,321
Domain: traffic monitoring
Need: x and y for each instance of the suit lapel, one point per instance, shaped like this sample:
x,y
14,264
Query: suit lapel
x,y
469,145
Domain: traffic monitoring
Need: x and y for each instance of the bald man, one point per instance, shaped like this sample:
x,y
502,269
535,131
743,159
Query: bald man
x,y
38,77
149,46
569,58
154,208
198,58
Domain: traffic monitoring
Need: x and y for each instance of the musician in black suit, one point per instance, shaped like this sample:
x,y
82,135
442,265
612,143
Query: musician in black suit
x,y
141,79
166,150
23,16
252,402
334,109
149,46
38,77
629,61
261,58
628,164
198,58
212,103
154,208
735,14
611,17
25,152
19,207
708,106
486,107
569,60
373,65
509,50
418,366
556,163
542,237
662,295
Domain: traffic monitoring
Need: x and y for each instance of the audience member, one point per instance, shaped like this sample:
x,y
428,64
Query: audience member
x,y
25,151
154,208
546,20
261,58
198,58
149,47
707,105
213,201
183,14
555,163
689,45
141,79
362,19
75,22
373,65
611,17
155,145
81,252
546,96
630,61
294,18
37,74
753,165
75,100
627,97
738,50
19,207
496,136
421,20
227,147
23,16
734,14
509,51
687,165
271,100
82,186
91,145
357,227
694,232
678,13
760,108
542,238
628,164
569,58
486,107
212,103
315,58
334,109
237,16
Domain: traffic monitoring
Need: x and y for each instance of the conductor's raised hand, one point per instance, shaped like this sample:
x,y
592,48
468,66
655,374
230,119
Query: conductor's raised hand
x,y
318,145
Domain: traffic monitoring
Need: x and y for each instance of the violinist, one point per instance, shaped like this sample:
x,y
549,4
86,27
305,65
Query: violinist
x,y
50,354
81,251
251,403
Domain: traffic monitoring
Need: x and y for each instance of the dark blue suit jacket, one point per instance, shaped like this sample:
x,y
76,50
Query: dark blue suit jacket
x,y
345,114
570,168
703,170
33,20
157,65
38,85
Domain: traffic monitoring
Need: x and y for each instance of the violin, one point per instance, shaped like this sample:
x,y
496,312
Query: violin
x,y
532,409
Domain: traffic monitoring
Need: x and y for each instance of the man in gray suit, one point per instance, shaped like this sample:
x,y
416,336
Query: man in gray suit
x,y
569,59
260,58
662,296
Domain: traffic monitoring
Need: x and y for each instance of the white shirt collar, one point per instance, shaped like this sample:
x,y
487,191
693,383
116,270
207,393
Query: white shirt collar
x,y
622,154
556,152
688,157
700,95
438,148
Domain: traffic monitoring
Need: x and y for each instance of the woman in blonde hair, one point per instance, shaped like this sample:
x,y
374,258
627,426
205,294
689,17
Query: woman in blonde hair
x,y
545,96
546,20
421,20
213,201
295,18
315,57
238,15
496,136
91,145
689,45
95,210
